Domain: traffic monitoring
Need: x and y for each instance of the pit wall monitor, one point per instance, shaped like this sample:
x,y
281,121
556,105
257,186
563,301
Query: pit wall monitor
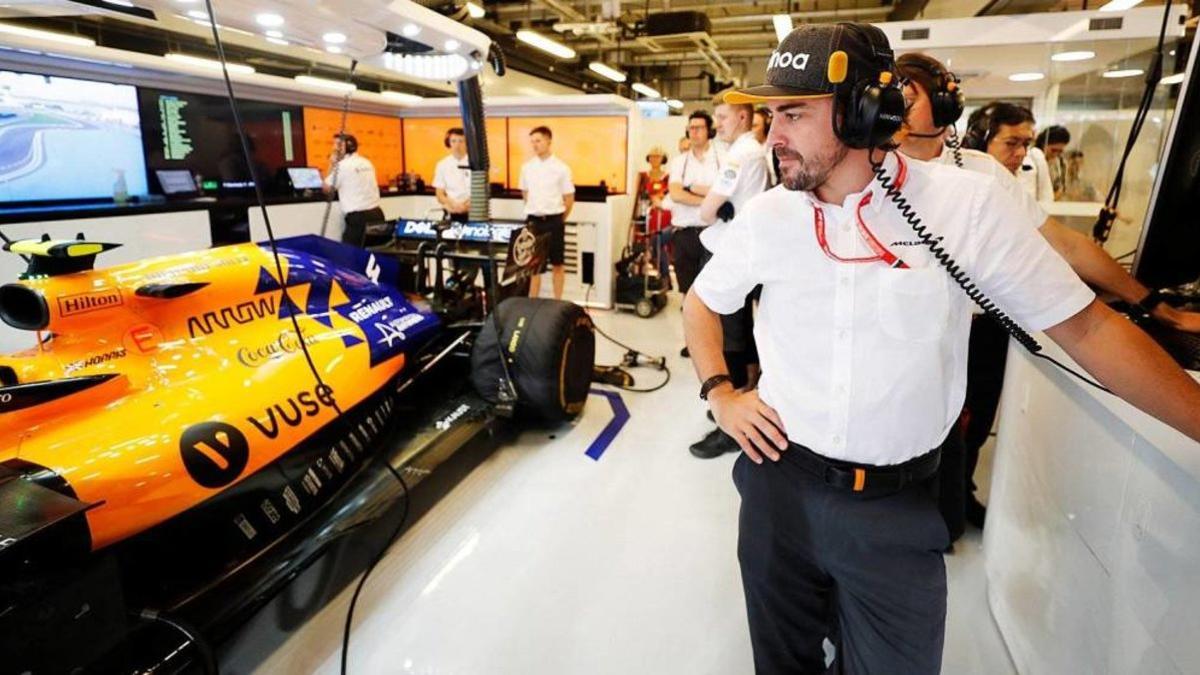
x,y
68,139
196,132
379,140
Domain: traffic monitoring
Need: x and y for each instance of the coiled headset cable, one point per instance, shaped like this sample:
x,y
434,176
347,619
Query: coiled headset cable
x,y
960,277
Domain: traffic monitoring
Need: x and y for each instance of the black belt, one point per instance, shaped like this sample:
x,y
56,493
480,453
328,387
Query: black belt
x,y
545,217
865,478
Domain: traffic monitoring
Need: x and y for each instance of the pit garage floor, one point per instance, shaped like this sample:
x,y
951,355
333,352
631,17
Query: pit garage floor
x,y
545,560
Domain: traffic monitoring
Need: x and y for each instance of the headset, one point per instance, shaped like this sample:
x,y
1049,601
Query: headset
x,y
349,141
708,121
980,128
946,100
453,131
869,97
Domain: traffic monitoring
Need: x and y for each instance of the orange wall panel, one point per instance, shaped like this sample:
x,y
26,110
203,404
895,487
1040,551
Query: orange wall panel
x,y
596,148
424,146
379,140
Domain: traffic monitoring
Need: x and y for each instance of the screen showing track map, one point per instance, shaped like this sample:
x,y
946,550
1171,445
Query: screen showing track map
x,y
62,138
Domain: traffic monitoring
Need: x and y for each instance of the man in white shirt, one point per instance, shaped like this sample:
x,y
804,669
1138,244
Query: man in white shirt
x,y
549,194
863,340
924,138
691,174
352,176
1005,131
743,175
452,177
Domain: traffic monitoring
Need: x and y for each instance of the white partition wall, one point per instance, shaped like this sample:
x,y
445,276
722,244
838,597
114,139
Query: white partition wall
x,y
1092,558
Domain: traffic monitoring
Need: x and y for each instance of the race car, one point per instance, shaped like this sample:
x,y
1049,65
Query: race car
x,y
189,431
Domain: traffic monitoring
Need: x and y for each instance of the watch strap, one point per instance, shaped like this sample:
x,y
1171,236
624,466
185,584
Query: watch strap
x,y
1152,300
712,383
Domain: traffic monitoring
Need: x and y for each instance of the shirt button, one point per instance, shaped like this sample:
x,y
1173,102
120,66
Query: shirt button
x,y
842,335
837,440
841,389
844,281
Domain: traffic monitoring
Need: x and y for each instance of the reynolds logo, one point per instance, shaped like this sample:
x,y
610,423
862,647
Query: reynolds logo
x,y
786,59
88,302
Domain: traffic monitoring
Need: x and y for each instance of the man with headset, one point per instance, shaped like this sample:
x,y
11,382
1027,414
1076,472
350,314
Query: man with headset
x,y
863,337
1005,131
935,103
692,173
353,177
452,177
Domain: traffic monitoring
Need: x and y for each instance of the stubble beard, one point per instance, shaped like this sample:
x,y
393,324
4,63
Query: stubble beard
x,y
810,174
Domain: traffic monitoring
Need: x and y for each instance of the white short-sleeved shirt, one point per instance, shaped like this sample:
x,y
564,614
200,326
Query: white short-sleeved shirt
x,y
743,174
866,362
688,170
544,182
1034,176
454,176
354,179
981,162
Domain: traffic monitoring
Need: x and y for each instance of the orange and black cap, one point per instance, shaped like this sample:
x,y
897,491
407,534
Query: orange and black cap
x,y
810,63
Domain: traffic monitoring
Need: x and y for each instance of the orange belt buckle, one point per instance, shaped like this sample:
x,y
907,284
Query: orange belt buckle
x,y
860,479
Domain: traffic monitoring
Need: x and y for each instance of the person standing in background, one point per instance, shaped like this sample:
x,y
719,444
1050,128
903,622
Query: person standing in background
x,y
652,191
352,176
1005,131
549,194
742,176
762,127
691,174
1053,141
452,177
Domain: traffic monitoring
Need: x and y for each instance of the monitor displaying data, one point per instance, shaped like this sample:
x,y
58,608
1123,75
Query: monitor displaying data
x,y
304,178
197,132
176,181
63,138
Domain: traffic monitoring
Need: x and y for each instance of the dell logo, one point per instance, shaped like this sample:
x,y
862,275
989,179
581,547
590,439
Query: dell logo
x,y
785,59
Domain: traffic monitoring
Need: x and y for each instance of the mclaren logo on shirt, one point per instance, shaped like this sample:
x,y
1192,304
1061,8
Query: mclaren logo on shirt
x,y
788,59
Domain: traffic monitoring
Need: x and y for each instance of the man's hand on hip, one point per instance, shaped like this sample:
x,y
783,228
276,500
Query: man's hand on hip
x,y
753,424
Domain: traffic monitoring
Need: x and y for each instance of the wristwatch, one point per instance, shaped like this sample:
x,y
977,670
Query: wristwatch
x,y
712,383
1152,300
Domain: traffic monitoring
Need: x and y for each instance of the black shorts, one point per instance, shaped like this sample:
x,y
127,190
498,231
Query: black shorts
x,y
457,217
553,226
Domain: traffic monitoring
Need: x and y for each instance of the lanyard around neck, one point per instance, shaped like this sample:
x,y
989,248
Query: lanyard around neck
x,y
881,253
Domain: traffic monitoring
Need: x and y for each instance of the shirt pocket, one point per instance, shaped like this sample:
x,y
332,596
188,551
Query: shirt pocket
x,y
914,304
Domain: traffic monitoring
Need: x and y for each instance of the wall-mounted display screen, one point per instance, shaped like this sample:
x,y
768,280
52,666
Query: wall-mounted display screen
x,y
378,139
63,138
196,132
425,146
595,148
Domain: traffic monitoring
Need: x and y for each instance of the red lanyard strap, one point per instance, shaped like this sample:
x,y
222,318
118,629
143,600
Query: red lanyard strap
x,y
881,252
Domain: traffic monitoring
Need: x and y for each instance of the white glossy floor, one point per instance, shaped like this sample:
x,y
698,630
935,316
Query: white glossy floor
x,y
545,561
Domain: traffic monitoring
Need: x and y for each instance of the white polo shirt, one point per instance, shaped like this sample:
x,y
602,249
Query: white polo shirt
x,y
742,175
688,170
866,362
981,162
1034,176
354,180
454,176
544,182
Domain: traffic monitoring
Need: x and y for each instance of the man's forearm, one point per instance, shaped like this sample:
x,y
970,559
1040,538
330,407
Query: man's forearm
x,y
708,209
705,340
682,196
1092,263
1132,365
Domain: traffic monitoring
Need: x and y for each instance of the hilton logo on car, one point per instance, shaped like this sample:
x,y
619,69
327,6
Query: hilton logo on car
x,y
82,303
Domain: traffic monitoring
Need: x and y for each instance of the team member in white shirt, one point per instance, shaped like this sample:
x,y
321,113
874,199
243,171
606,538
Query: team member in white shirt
x,y
692,173
549,194
743,175
863,341
1005,131
452,177
924,138
352,176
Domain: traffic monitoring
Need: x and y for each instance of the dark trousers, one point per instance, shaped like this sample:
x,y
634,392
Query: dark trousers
x,y
986,360
688,255
355,233
819,562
